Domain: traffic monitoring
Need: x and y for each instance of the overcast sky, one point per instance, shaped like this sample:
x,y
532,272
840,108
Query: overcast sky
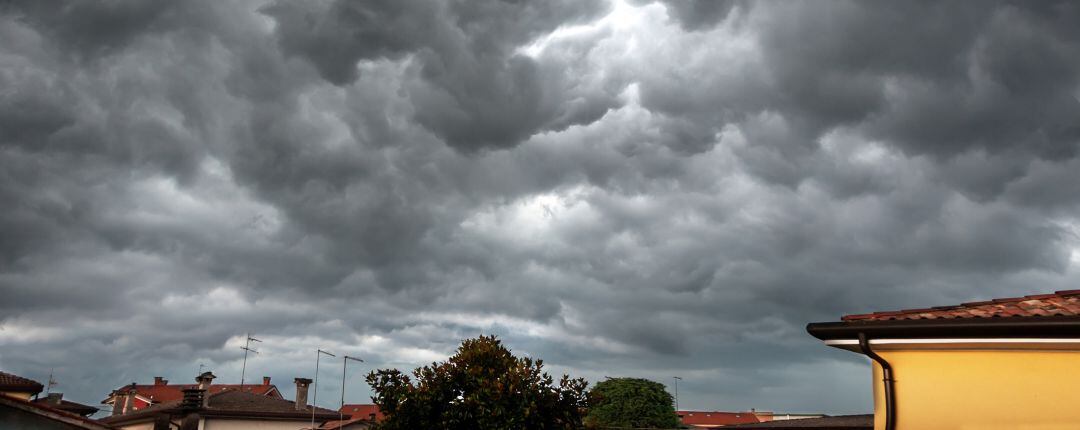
x,y
621,188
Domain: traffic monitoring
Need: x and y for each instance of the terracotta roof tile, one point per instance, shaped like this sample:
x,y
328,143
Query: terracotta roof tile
x,y
163,393
11,382
715,418
1061,303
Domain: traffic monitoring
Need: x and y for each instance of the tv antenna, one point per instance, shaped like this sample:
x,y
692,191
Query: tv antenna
x,y
315,390
344,365
247,348
52,382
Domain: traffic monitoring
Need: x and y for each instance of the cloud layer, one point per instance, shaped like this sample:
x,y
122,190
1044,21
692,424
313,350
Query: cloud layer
x,y
621,188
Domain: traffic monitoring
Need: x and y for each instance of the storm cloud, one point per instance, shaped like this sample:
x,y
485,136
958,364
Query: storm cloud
x,y
632,188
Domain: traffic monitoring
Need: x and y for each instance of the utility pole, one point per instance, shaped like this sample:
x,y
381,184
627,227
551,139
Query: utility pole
x,y
315,386
344,364
677,379
247,348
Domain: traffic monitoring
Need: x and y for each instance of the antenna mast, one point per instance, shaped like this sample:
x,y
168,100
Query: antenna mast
x,y
247,348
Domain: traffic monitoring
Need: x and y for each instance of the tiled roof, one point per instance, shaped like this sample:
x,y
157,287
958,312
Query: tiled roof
x,y
845,422
164,393
1061,303
335,424
10,382
714,418
68,406
234,403
363,411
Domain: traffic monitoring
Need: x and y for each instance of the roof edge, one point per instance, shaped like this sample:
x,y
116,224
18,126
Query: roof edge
x,y
1050,326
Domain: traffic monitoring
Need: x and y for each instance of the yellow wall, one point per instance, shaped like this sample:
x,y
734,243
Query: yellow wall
x,y
982,389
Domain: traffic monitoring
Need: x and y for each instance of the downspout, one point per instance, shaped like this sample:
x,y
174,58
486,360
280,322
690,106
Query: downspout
x,y
887,378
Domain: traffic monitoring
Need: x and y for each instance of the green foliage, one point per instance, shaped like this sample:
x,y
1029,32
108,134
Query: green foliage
x,y
483,386
632,403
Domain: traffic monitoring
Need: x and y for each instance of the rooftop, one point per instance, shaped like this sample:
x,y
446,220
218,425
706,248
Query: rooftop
x,y
1061,303
11,382
839,422
716,418
233,403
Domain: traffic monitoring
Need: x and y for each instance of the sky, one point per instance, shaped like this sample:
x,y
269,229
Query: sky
x,y
618,187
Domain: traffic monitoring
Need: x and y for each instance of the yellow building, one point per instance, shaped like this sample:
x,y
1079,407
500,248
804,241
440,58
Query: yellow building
x,y
18,387
1001,364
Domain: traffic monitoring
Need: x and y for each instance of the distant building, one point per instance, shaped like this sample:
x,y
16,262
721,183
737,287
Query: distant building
x,y
226,409
781,416
20,414
361,410
998,364
56,401
136,397
358,416
841,422
715,419
18,387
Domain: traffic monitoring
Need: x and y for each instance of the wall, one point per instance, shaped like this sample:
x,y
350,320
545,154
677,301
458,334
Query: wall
x,y
982,389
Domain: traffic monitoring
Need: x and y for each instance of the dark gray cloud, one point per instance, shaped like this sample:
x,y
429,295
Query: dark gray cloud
x,y
634,189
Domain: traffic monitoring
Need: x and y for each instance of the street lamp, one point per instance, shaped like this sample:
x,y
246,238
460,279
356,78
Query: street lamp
x,y
344,364
315,396
677,379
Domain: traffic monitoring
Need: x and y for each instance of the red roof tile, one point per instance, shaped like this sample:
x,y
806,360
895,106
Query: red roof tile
x,y
362,411
1061,303
10,382
714,418
173,392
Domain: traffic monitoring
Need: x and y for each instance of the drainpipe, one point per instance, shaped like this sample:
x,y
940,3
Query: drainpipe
x,y
887,378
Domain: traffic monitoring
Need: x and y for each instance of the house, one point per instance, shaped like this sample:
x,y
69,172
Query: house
x,y
998,364
18,387
136,397
20,414
840,422
56,401
780,416
362,410
714,419
358,416
226,409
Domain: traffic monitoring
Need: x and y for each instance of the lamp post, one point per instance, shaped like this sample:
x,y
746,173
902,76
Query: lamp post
x,y
315,387
677,379
344,364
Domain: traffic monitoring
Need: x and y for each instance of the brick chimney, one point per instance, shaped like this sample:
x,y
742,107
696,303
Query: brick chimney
x,y
54,398
266,380
193,400
160,381
301,393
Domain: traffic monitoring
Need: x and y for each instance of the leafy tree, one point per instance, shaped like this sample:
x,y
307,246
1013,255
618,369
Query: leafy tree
x,y
483,386
632,403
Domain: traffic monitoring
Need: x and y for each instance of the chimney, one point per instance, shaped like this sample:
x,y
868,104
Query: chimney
x,y
193,400
205,380
129,400
266,380
301,393
54,398
160,381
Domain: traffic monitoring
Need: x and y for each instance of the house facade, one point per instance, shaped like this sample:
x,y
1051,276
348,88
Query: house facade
x,y
1000,364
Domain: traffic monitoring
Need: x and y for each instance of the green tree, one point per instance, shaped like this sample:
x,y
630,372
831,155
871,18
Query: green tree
x,y
483,386
630,402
